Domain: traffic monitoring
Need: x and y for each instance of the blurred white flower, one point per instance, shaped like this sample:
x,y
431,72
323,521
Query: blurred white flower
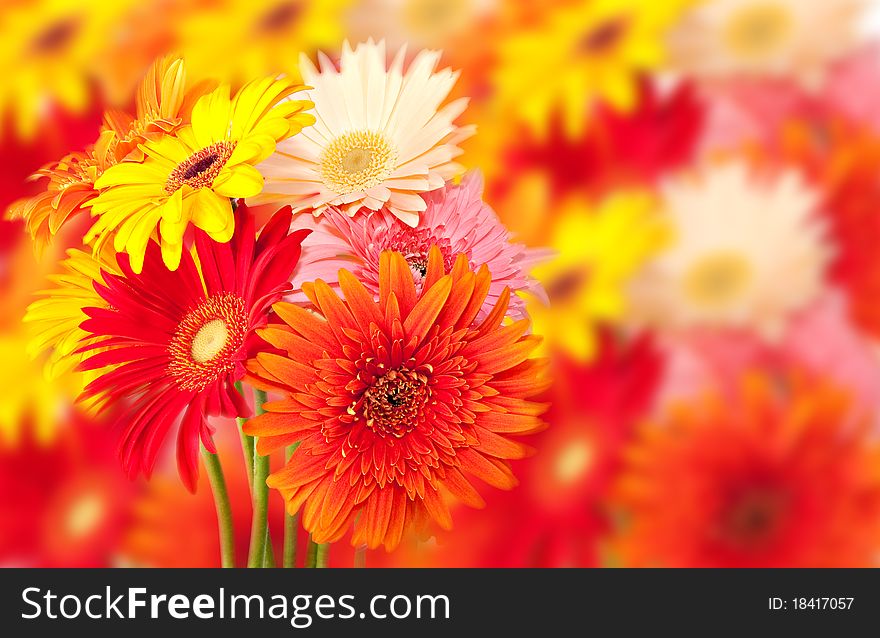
x,y
746,252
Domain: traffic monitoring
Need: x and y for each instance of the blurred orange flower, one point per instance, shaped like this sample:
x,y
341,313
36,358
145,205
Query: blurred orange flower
x,y
785,475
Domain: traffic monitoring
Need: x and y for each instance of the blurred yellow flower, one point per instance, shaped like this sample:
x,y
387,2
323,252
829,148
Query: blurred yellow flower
x,y
600,248
48,53
55,318
191,176
236,40
27,397
578,54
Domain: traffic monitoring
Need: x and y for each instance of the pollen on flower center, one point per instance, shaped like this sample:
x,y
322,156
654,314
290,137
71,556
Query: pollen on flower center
x,y
356,161
393,403
200,169
209,341
206,342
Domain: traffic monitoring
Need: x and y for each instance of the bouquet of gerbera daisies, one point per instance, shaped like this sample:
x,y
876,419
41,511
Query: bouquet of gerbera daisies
x,y
306,259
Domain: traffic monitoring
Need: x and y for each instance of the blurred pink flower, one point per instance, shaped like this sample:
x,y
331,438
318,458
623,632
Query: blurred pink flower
x,y
456,219
853,87
820,339
751,111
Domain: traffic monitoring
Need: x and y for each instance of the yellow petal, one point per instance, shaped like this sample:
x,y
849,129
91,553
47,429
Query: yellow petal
x,y
211,212
239,181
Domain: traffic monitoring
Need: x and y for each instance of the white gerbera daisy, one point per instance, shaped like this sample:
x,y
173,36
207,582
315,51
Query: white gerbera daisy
x,y
381,136
795,38
747,253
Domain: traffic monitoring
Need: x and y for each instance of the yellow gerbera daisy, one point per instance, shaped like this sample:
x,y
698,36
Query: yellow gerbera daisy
x,y
55,318
191,176
267,36
164,101
600,248
48,53
582,52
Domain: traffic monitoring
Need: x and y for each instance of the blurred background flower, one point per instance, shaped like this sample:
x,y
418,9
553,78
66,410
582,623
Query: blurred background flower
x,y
701,182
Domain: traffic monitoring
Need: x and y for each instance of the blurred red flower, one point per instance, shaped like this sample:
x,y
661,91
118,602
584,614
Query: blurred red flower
x,y
618,149
64,504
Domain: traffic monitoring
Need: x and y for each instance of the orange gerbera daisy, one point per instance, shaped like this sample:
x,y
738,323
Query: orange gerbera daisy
x,y
164,101
394,402
71,183
782,476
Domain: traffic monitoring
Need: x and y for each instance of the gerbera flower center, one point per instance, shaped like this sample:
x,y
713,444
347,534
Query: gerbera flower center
x,y
209,341
603,37
753,517
279,17
717,279
85,515
415,244
574,461
205,346
356,161
757,30
567,284
433,17
55,37
393,404
200,169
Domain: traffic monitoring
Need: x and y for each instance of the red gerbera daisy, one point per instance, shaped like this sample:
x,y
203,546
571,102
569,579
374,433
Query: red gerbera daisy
x,y
631,149
177,341
62,504
785,475
395,401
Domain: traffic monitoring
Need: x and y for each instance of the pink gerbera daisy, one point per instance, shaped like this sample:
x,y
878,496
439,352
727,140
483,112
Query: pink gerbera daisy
x,y
176,342
456,220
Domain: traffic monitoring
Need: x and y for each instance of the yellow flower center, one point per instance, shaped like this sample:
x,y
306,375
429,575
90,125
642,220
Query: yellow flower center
x,y
573,461
432,18
205,346
357,161
85,515
200,169
758,29
209,341
717,279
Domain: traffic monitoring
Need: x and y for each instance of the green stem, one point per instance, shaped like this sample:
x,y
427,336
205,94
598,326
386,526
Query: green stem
x,y
247,446
291,526
312,553
259,523
360,557
221,504
323,555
